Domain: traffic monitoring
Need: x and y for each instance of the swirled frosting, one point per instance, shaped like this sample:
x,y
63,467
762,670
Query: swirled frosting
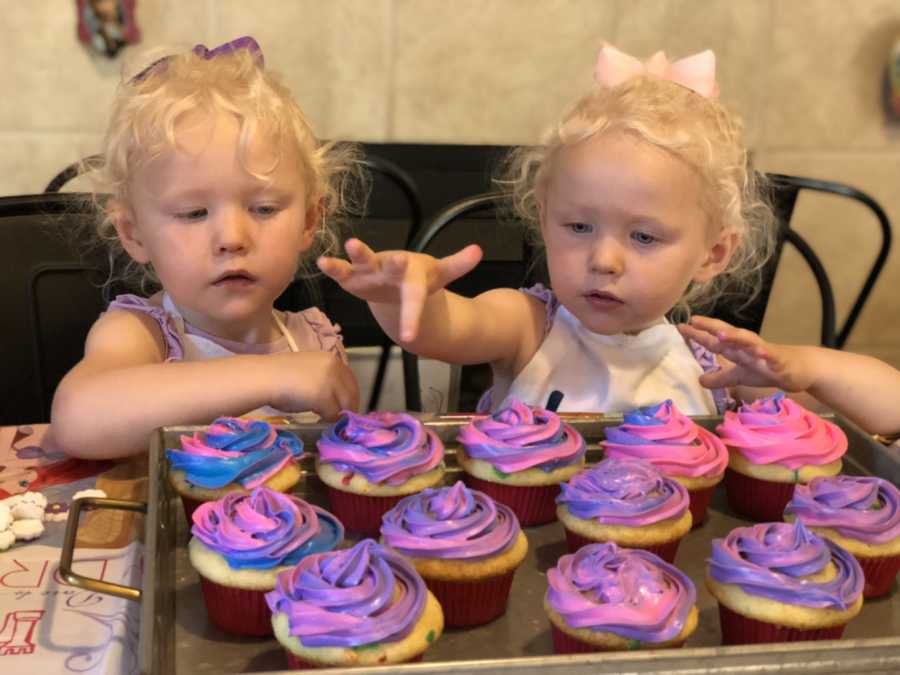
x,y
623,492
629,592
450,522
669,440
350,597
235,450
778,429
520,437
772,560
385,447
858,507
265,528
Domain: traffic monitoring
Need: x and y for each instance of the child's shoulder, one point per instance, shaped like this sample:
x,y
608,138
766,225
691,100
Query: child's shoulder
x,y
135,315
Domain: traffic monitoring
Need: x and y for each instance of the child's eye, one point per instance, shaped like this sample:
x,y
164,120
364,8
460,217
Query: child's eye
x,y
193,214
581,228
643,238
265,210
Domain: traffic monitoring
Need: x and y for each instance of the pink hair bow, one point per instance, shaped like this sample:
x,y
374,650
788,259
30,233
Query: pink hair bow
x,y
696,72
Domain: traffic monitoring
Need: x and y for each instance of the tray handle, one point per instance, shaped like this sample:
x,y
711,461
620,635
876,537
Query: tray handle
x,y
68,549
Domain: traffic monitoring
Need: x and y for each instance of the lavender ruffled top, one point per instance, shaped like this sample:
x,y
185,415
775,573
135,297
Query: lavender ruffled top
x,y
265,528
859,507
235,450
384,447
350,597
450,523
627,492
520,437
771,560
629,592
670,440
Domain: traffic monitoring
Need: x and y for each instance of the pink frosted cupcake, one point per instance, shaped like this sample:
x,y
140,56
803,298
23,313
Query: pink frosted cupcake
x,y
779,582
234,454
775,444
466,547
676,446
606,598
627,501
242,542
859,513
370,462
518,456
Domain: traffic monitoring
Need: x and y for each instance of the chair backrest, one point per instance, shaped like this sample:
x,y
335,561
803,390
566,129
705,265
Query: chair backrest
x,y
784,198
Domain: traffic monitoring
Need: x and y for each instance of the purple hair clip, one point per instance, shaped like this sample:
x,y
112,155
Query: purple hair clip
x,y
245,42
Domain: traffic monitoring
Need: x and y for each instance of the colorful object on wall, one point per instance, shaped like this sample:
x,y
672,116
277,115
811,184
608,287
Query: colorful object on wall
x,y
107,25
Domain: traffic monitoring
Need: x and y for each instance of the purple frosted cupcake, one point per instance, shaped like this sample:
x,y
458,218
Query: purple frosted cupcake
x,y
466,546
369,462
519,456
606,598
627,501
243,541
779,582
859,513
363,606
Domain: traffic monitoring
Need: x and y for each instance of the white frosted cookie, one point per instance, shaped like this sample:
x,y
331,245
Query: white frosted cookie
x,y
7,539
6,517
26,530
98,494
27,511
34,498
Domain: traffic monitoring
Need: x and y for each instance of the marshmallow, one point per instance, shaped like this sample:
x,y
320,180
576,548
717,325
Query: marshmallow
x,y
6,517
7,539
26,530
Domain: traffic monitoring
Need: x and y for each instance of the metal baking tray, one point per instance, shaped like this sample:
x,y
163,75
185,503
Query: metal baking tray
x,y
177,638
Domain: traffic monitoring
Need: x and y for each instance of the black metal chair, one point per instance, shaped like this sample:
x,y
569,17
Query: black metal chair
x,y
484,209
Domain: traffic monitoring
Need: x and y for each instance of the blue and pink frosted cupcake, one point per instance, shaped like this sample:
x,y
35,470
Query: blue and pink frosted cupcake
x,y
606,598
779,582
370,462
518,456
465,545
626,501
674,444
241,542
776,444
362,606
859,513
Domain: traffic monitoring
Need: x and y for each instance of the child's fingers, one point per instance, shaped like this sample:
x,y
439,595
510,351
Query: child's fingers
x,y
361,255
337,269
460,263
413,292
708,340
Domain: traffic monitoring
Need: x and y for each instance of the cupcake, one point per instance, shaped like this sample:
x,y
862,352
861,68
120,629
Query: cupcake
x,y
677,446
233,455
626,501
370,462
243,541
775,443
859,513
606,598
779,582
518,456
464,545
363,606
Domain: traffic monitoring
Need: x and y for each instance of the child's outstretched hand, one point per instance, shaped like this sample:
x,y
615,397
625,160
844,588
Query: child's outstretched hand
x,y
751,361
398,277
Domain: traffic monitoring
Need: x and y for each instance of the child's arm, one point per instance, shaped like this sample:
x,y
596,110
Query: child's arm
x,y
406,293
861,388
108,405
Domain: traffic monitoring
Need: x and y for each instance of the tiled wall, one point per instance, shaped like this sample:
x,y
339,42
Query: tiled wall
x,y
808,76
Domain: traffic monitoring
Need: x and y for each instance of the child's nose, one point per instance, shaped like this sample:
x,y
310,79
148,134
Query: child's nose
x,y
233,231
607,257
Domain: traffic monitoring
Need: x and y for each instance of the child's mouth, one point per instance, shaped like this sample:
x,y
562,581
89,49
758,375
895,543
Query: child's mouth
x,y
235,278
605,301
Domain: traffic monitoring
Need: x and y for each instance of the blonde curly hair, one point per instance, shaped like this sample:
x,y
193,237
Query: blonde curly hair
x,y
700,131
151,101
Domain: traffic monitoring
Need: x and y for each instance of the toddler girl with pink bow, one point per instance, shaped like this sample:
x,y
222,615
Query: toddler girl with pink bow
x,y
218,188
646,206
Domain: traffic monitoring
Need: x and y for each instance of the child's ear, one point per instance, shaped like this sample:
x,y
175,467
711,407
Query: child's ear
x,y
311,224
718,255
123,220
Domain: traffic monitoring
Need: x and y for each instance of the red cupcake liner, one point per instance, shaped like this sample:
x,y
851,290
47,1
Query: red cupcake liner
x,y
700,500
665,551
237,610
360,514
879,573
296,663
563,643
533,505
472,603
760,500
741,630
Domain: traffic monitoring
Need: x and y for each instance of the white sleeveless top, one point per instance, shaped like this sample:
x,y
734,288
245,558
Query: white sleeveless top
x,y
609,373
